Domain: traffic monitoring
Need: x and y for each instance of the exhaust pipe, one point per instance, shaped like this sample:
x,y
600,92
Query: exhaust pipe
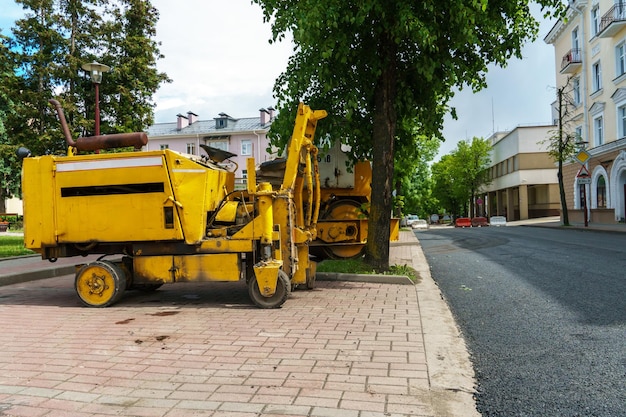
x,y
93,143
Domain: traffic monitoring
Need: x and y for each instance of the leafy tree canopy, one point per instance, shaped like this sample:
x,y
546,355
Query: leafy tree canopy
x,y
375,64
459,175
48,47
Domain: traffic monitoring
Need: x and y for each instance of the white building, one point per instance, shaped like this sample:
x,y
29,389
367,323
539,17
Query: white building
x,y
523,176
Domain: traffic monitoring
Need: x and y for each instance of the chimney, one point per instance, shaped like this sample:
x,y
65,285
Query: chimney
x,y
181,122
192,117
265,116
271,111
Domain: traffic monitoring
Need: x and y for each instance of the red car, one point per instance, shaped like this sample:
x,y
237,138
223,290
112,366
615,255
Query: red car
x,y
463,222
479,221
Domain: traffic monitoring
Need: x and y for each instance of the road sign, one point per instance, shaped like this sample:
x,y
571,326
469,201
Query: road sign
x,y
583,172
583,180
582,156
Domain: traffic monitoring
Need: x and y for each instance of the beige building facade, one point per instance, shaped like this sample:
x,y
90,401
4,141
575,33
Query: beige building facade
x,y
523,177
590,55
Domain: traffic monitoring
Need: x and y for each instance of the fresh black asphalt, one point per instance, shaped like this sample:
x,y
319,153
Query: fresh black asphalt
x,y
543,312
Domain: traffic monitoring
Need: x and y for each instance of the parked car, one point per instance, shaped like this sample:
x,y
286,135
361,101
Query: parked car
x,y
410,219
497,221
420,224
479,221
463,222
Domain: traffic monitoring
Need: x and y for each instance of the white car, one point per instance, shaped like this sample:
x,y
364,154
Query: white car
x,y
410,219
420,224
497,221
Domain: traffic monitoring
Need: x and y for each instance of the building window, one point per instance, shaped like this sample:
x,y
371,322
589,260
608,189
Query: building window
x,y
598,130
621,121
575,39
244,173
222,145
620,59
191,148
595,20
601,192
596,73
246,147
576,91
578,131
166,146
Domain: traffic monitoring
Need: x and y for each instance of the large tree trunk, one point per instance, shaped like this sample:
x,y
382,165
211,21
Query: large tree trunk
x,y
3,208
384,131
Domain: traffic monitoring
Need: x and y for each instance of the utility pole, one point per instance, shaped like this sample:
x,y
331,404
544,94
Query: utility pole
x,y
561,152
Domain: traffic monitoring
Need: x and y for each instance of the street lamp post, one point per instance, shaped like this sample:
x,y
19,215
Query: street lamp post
x,y
95,71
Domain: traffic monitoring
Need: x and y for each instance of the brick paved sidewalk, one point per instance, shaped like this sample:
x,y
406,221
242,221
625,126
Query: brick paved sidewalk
x,y
348,349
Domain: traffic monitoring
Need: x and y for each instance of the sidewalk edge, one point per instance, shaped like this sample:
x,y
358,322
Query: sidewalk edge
x,y
451,374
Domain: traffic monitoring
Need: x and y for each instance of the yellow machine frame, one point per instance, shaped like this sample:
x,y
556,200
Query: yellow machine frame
x,y
168,217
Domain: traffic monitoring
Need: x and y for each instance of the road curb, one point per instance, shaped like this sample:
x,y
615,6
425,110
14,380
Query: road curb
x,y
36,275
372,278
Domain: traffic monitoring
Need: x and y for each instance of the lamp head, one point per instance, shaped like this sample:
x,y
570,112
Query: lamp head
x,y
95,71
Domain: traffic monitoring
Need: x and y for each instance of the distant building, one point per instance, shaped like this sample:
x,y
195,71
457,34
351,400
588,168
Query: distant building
x,y
523,176
14,206
590,52
245,137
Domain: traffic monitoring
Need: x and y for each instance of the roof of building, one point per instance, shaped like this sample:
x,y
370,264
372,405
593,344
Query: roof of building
x,y
208,128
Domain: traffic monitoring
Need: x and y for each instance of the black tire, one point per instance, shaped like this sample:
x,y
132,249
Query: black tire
x,y
283,289
100,284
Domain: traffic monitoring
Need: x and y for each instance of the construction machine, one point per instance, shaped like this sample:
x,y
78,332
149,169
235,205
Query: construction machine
x,y
159,217
345,196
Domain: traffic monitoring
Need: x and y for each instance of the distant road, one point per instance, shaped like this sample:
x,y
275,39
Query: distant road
x,y
543,312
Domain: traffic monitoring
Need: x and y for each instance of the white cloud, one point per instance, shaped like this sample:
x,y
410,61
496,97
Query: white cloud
x,y
219,57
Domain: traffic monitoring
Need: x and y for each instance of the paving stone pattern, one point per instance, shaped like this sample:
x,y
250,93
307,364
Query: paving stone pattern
x,y
345,349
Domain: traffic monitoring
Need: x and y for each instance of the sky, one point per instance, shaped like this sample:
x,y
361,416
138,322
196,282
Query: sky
x,y
220,60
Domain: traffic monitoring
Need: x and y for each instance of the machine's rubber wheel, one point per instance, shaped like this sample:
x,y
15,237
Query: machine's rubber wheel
x,y
100,283
343,210
283,289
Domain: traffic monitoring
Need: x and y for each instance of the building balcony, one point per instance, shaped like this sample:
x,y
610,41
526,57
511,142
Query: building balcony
x,y
613,21
571,62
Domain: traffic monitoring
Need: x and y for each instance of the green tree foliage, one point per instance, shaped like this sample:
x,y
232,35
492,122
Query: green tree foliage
x,y
446,186
471,160
459,175
37,46
132,53
9,166
51,43
374,64
41,58
412,172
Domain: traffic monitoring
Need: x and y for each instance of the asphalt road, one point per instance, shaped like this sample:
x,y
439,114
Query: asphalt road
x,y
543,312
